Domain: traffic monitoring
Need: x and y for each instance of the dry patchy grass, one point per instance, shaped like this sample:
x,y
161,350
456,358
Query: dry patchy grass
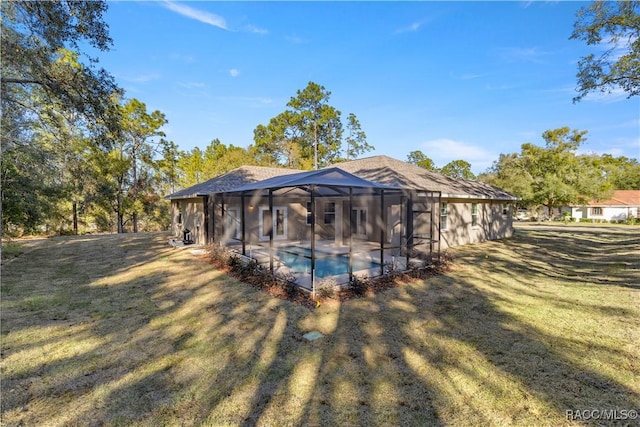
x,y
122,330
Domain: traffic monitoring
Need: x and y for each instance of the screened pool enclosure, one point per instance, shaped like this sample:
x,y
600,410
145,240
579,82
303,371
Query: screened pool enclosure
x,y
327,224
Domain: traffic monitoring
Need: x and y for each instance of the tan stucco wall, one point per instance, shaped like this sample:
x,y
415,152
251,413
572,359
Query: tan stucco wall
x,y
491,224
192,218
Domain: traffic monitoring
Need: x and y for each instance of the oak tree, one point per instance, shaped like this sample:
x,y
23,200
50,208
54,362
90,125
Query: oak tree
x,y
614,27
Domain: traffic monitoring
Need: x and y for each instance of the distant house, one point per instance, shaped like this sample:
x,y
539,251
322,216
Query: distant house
x,y
622,205
363,216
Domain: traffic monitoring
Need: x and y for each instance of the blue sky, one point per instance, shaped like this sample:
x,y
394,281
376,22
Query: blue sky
x,y
456,80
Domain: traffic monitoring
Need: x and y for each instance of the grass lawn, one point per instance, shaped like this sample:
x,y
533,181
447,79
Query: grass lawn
x,y
122,330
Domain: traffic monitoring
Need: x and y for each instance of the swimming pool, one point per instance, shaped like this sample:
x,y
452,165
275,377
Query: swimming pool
x,y
327,265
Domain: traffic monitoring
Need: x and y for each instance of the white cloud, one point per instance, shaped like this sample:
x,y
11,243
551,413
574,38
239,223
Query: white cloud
x,y
295,39
444,150
198,15
503,86
256,30
191,85
234,72
183,58
247,101
411,28
617,94
522,54
141,78
465,76
619,46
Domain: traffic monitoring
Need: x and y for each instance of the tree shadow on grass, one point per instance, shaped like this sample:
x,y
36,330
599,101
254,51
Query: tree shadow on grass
x,y
74,325
523,352
196,349
586,255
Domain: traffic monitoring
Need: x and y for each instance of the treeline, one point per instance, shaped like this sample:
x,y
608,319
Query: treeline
x,y
555,175
78,156
308,134
552,175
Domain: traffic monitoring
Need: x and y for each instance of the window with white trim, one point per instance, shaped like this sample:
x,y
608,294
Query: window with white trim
x,y
596,211
474,214
329,213
443,215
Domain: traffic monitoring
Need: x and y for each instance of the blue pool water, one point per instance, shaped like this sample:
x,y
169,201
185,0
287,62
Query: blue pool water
x,y
327,265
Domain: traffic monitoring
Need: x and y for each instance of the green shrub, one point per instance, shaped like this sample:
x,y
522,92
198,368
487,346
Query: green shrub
x,y
359,285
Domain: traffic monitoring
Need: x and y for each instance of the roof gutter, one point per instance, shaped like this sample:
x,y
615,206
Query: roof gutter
x,y
469,196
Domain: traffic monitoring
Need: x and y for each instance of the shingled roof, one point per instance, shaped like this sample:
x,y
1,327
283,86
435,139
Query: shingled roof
x,y
620,198
383,170
389,171
231,180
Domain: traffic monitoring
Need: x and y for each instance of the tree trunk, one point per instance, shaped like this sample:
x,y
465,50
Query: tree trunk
x,y
75,217
315,146
135,193
119,214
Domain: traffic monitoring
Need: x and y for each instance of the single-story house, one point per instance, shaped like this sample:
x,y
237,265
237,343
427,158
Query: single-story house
x,y
624,204
367,216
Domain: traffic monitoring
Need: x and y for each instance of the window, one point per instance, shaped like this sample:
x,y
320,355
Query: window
x,y
596,211
443,215
308,213
505,210
329,213
359,222
474,214
179,212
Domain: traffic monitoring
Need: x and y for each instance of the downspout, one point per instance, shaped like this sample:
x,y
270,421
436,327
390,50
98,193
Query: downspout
x,y
271,231
431,228
382,230
242,222
313,241
409,228
439,225
224,225
213,218
206,219
350,235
